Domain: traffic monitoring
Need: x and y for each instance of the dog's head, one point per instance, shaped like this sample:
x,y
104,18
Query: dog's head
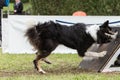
x,y
105,33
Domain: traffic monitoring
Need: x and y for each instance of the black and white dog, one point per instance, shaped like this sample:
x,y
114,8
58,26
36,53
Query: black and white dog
x,y
45,37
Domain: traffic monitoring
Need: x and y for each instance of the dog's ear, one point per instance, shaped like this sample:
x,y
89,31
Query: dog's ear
x,y
105,24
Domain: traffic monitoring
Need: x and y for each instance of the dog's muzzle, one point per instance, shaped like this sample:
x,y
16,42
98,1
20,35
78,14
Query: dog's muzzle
x,y
112,35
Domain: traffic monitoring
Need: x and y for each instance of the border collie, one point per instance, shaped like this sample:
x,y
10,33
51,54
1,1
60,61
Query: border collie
x,y
45,37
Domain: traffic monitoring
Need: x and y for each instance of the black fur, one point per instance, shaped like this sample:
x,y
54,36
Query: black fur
x,y
47,36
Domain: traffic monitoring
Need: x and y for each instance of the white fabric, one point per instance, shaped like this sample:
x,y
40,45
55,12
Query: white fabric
x,y
14,28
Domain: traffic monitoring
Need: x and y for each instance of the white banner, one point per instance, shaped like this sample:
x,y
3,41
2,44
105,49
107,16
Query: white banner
x,y
14,28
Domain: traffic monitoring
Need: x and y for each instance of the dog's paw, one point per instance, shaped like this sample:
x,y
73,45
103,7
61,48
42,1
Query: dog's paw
x,y
102,54
41,71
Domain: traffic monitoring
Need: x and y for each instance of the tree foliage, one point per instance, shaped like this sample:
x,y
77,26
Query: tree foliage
x,y
67,7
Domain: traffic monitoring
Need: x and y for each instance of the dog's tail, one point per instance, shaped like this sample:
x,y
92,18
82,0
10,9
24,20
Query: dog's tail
x,y
33,37
34,33
34,29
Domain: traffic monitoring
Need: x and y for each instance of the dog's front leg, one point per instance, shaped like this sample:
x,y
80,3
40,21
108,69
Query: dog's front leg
x,y
95,54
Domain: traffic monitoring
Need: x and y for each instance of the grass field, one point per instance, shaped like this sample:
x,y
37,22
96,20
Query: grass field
x,y
63,67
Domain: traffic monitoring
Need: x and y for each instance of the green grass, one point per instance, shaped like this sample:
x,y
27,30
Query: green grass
x,y
63,67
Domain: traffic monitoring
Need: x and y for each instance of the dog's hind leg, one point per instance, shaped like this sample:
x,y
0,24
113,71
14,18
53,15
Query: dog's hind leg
x,y
46,48
39,57
46,60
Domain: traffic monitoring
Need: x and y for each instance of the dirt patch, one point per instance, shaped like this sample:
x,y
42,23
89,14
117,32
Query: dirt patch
x,y
16,73
56,71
